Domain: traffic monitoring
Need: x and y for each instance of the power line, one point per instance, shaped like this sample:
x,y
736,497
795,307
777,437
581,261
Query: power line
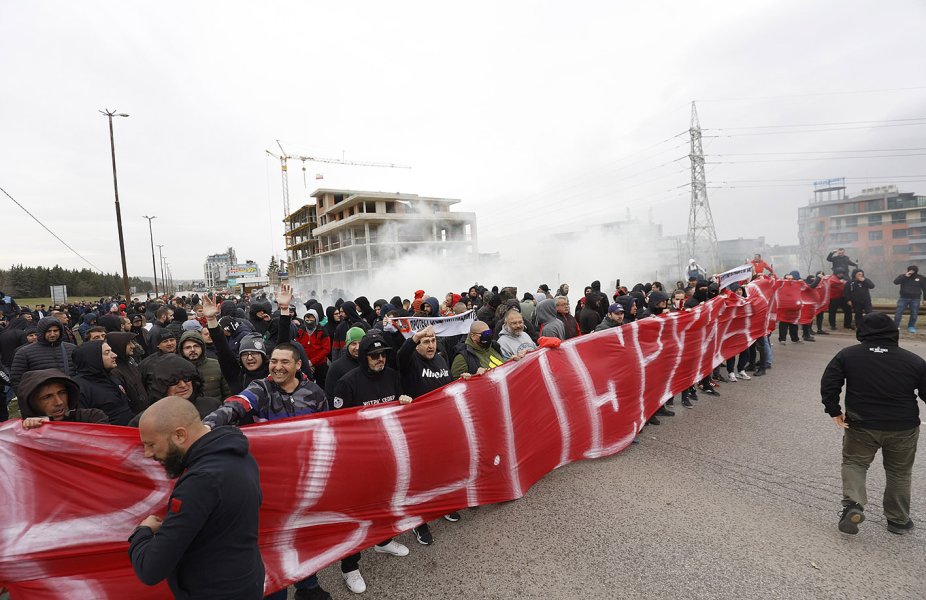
x,y
49,230
825,129
817,152
740,162
852,93
819,124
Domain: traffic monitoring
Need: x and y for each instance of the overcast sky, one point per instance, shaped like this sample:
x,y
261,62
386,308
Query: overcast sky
x,y
540,116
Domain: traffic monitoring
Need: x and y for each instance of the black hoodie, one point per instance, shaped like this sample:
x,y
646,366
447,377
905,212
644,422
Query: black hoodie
x,y
97,388
363,386
33,380
127,372
207,546
882,379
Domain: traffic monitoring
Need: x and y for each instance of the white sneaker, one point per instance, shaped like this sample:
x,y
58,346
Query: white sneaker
x,y
355,582
745,375
394,548
732,376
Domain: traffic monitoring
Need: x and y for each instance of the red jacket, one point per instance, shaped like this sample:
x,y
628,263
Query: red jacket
x,y
317,345
760,266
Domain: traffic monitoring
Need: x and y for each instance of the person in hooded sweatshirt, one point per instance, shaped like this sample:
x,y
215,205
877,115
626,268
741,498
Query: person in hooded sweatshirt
x,y
126,373
371,383
316,343
589,318
177,376
94,362
347,362
48,395
349,319
881,411
859,293
513,340
48,352
548,322
193,348
206,544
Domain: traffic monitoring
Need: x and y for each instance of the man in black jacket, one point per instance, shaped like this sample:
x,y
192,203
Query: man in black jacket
x,y
206,545
859,294
882,382
372,382
912,285
94,362
49,395
841,262
48,352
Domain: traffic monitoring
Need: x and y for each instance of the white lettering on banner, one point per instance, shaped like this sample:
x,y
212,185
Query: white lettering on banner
x,y
457,391
500,378
594,402
443,326
558,406
735,275
311,485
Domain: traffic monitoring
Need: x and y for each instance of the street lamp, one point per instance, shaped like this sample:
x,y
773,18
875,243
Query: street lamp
x,y
161,257
153,264
112,146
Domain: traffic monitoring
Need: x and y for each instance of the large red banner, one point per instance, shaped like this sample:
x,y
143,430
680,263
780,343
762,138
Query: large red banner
x,y
339,482
800,303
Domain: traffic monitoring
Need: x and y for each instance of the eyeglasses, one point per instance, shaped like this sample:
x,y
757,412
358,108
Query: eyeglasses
x,y
378,355
175,380
249,354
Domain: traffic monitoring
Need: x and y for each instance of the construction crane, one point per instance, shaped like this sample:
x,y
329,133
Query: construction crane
x,y
283,157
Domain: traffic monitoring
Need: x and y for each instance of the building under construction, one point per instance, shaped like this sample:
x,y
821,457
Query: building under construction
x,y
341,237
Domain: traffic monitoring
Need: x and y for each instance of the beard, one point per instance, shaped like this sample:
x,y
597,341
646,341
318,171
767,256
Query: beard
x,y
173,461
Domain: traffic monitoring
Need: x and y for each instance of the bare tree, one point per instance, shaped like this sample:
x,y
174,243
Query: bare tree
x,y
813,249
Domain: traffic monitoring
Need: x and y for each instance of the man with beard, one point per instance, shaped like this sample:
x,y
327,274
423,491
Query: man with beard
x,y
48,352
94,363
372,382
206,545
49,395
512,339
614,318
193,348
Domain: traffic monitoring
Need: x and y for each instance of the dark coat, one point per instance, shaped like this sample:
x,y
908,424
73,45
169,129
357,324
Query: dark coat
x,y
43,354
97,388
33,380
207,546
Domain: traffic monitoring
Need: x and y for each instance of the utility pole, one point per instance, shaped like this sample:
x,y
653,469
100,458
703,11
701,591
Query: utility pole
x,y
702,237
161,256
153,264
112,146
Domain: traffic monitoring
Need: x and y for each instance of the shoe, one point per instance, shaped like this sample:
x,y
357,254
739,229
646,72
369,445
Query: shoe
x,y
686,402
717,376
665,412
782,342
453,517
797,341
653,420
423,534
394,548
768,366
750,367
821,332
355,582
693,395
670,401
744,375
809,339
852,515
832,328
710,391
316,593
732,376
911,329
759,372
900,528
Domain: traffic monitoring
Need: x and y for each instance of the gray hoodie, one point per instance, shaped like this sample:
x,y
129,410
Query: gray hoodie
x,y
512,344
549,323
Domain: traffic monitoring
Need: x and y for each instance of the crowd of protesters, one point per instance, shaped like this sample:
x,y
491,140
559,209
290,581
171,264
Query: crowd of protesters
x,y
241,360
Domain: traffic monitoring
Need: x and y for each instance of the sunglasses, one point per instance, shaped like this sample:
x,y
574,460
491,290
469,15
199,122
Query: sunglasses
x,y
377,355
175,380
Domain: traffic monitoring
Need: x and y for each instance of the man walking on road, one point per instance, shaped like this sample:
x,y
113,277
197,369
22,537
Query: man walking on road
x,y
882,382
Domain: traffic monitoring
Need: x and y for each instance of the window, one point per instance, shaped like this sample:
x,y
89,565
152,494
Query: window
x,y
851,221
899,233
899,218
875,235
874,220
390,207
873,205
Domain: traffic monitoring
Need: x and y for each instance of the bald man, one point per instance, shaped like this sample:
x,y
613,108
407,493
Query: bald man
x,y
478,354
206,545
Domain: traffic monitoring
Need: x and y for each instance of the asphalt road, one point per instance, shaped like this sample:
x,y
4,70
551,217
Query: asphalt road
x,y
737,498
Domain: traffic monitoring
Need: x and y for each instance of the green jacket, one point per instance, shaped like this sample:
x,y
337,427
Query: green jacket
x,y
214,385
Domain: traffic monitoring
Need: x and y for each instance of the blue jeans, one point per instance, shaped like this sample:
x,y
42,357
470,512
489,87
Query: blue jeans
x,y
306,584
768,350
904,303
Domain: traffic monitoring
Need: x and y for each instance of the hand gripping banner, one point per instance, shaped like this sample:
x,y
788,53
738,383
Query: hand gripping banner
x,y
339,482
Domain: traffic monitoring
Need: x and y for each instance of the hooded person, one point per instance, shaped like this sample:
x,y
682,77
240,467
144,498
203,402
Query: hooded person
x,y
351,319
699,295
364,309
127,372
658,302
433,305
260,317
93,363
11,339
347,362
177,376
549,323
48,352
371,382
419,298
629,304
859,293
49,393
316,344
193,348
87,321
589,317
490,304
882,383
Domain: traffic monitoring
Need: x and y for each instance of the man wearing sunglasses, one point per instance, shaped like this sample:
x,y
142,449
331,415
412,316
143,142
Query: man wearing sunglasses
x,y
372,382
479,353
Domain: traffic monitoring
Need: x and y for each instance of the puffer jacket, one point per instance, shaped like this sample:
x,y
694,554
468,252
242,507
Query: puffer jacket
x,y
43,354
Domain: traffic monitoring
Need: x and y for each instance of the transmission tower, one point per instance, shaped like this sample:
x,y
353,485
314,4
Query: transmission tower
x,y
702,238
